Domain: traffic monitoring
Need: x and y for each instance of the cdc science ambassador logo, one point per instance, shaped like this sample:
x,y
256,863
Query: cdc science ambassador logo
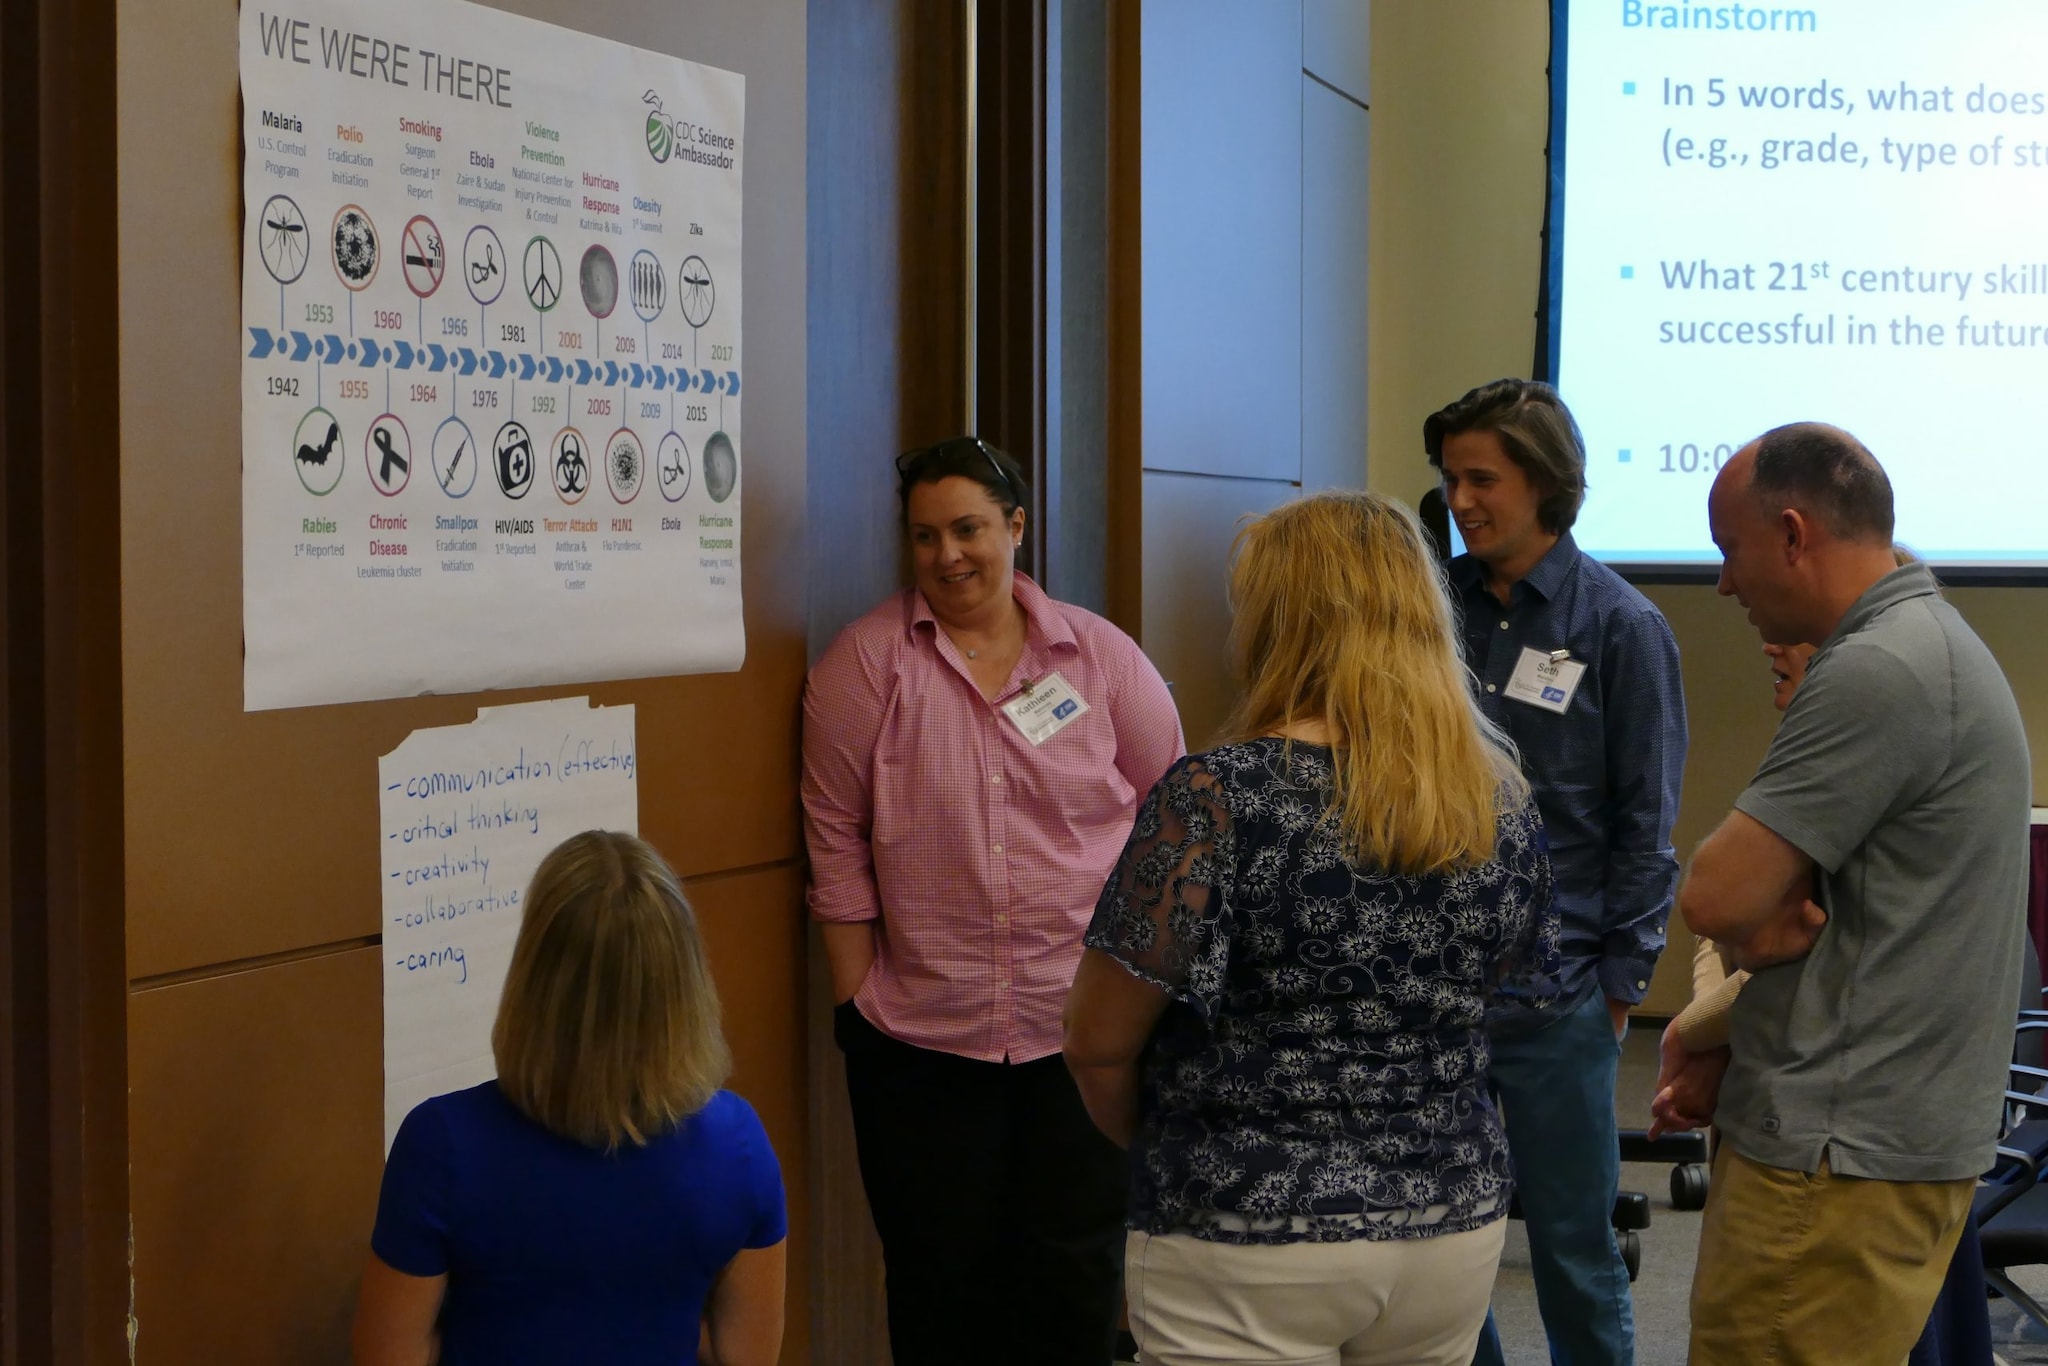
x,y
673,138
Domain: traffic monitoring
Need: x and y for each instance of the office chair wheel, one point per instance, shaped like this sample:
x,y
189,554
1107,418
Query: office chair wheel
x,y
1689,1186
1631,1244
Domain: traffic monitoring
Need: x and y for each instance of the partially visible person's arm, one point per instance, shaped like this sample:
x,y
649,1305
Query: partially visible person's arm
x,y
397,1309
1154,938
1703,1024
1646,743
744,1313
1110,1016
1708,968
395,1317
843,706
1750,890
1148,733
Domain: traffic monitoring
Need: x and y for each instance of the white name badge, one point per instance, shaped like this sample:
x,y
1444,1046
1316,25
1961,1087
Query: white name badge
x,y
1046,708
1544,682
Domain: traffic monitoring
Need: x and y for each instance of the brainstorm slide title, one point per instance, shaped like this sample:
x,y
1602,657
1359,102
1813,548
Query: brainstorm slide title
x,y
370,58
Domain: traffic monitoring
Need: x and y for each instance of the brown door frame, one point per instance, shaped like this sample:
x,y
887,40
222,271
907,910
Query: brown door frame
x,y
63,1043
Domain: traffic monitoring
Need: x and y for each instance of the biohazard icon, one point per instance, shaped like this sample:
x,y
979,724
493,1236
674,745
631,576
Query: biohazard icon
x,y
572,466
672,467
282,239
356,256
698,293
424,260
388,453
512,459
625,465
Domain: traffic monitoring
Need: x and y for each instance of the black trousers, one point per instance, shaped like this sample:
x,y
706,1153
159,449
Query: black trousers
x,y
999,1205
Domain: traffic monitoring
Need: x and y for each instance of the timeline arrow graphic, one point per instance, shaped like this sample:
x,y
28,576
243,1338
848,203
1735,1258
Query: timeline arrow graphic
x,y
403,355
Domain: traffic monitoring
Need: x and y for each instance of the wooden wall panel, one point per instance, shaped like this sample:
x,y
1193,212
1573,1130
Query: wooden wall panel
x,y
887,327
258,1149
754,929
253,837
256,1122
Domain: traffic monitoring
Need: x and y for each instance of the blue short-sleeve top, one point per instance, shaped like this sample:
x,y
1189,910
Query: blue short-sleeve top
x,y
555,1251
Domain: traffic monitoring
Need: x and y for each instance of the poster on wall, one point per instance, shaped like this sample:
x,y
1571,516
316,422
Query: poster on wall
x,y
491,354
468,813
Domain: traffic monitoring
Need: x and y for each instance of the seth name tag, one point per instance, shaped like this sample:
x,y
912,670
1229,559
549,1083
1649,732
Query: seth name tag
x,y
1047,709
1544,682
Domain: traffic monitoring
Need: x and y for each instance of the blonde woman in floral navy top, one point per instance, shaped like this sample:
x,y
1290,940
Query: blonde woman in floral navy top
x,y
1282,1009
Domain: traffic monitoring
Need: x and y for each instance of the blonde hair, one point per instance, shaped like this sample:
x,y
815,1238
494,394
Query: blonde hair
x,y
1342,617
608,1027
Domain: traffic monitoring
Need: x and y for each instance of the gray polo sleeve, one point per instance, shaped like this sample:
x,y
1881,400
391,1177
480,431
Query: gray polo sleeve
x,y
1861,740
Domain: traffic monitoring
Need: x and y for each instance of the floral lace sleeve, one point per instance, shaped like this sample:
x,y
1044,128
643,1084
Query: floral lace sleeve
x,y
1163,913
1529,966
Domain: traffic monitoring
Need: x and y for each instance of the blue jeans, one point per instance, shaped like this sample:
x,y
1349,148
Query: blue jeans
x,y
1556,1092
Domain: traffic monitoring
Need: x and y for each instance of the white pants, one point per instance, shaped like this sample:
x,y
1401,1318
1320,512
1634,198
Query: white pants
x,y
1411,1301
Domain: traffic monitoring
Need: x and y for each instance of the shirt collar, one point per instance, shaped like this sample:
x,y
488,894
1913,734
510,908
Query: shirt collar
x,y
1045,625
1906,582
1545,579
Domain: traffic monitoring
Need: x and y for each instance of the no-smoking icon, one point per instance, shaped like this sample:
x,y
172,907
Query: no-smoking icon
x,y
426,261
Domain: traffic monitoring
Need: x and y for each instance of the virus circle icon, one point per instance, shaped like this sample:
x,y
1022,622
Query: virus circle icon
x,y
355,247
625,465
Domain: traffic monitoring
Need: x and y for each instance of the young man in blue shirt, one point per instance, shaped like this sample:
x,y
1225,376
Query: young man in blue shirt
x,y
1582,673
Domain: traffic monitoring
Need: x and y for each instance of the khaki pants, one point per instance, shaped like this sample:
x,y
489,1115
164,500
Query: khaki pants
x,y
1818,1270
1412,1301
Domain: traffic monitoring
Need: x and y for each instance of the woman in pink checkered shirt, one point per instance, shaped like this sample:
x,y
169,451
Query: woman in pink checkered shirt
x,y
974,753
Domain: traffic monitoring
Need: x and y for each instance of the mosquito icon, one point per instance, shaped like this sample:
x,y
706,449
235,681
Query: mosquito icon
x,y
284,239
698,292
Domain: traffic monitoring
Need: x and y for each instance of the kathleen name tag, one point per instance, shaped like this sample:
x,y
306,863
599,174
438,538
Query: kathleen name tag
x,y
1544,682
1046,708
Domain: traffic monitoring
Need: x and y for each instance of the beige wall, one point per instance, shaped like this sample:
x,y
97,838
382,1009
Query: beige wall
x,y
1460,102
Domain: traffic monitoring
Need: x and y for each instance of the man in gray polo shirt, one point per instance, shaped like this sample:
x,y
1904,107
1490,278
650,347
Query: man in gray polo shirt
x,y
1874,875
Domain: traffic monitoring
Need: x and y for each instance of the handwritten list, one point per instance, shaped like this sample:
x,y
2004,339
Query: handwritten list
x,y
468,814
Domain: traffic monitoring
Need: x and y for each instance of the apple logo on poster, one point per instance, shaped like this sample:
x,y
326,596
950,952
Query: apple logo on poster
x,y
661,134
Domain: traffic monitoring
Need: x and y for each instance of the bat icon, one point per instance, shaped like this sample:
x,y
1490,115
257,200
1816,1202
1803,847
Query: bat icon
x,y
317,455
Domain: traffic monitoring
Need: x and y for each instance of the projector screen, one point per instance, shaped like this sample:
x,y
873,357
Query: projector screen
x,y
1834,211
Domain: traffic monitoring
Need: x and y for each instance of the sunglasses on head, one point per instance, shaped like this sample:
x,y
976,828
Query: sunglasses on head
x,y
910,462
